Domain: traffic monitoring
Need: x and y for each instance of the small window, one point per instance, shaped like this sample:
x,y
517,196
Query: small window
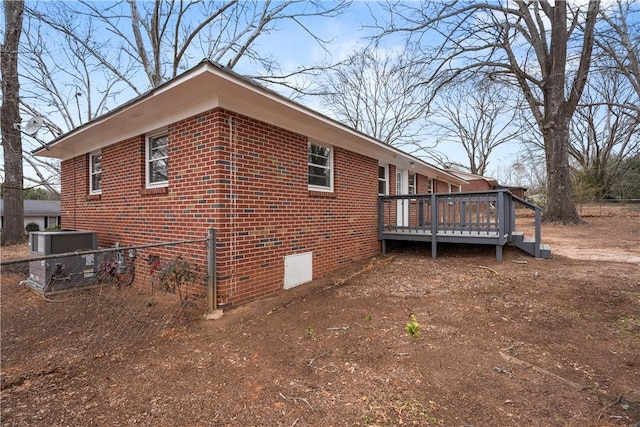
x,y
430,186
157,152
95,172
382,180
412,183
320,167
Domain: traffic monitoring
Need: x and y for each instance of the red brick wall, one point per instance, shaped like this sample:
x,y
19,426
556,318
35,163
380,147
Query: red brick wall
x,y
249,181
443,187
422,184
476,185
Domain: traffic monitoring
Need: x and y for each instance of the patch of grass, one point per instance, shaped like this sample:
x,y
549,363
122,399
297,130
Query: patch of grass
x,y
627,324
395,409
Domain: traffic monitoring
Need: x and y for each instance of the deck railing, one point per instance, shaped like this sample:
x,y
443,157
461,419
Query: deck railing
x,y
454,217
517,202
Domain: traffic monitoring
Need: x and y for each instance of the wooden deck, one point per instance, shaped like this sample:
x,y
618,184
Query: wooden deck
x,y
486,217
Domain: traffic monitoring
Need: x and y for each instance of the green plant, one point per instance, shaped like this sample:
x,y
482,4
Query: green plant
x,y
368,318
311,333
52,228
413,327
173,276
32,226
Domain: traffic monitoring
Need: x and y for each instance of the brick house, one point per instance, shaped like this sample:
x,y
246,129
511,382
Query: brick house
x,y
484,183
292,194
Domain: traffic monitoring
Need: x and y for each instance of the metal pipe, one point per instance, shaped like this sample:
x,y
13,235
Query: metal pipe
x,y
212,303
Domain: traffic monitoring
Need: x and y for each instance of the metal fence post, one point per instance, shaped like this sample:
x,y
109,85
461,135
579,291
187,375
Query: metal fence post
x,y
212,303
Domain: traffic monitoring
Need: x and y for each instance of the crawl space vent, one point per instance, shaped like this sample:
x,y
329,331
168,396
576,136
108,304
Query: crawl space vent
x,y
298,269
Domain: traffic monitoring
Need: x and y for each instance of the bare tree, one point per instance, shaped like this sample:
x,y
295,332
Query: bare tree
x,y
381,93
13,227
604,134
163,38
543,48
79,59
619,40
62,76
480,115
527,170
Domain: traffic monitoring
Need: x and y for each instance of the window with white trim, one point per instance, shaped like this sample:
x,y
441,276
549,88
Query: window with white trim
x,y
412,183
95,172
157,160
383,174
430,186
320,167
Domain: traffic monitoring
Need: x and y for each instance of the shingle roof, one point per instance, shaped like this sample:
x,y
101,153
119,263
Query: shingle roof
x,y
38,207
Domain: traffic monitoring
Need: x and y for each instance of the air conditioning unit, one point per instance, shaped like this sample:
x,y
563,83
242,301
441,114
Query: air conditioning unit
x,y
66,272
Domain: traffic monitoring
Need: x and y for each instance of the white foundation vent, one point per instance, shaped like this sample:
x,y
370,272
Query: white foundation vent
x,y
298,269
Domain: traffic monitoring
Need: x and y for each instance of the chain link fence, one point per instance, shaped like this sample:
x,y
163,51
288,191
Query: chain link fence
x,y
59,308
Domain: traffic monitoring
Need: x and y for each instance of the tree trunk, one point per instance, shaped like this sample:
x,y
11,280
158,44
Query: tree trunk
x,y
557,115
13,226
560,206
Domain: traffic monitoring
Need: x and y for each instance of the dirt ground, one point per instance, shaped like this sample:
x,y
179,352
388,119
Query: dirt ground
x,y
524,342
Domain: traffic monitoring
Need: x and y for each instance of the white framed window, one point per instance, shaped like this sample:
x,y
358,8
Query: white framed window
x,y
430,186
320,167
455,188
95,172
383,180
412,183
157,160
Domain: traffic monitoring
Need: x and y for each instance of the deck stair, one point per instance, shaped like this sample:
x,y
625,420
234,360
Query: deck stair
x,y
528,245
476,217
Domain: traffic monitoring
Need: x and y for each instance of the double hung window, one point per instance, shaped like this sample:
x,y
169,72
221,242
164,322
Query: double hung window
x,y
157,160
320,167
382,180
412,183
95,172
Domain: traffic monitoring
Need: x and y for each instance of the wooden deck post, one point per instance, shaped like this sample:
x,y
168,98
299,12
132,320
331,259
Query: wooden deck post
x,y
500,217
434,226
538,233
381,224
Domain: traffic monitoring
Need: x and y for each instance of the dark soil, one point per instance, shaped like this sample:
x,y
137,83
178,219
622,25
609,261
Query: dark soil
x,y
524,342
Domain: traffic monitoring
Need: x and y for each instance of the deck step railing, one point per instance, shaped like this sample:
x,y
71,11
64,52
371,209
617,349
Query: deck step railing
x,y
467,217
516,202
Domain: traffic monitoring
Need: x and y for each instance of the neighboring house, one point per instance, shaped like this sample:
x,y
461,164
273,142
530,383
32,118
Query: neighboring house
x,y
516,191
45,213
287,189
474,182
483,183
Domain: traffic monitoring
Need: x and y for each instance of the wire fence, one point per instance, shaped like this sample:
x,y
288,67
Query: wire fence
x,y
59,308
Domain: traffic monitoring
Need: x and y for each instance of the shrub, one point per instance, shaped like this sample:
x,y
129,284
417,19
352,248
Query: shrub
x,y
171,277
32,226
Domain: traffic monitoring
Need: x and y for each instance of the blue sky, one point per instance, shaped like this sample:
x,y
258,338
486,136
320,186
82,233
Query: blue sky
x,y
293,49
349,33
